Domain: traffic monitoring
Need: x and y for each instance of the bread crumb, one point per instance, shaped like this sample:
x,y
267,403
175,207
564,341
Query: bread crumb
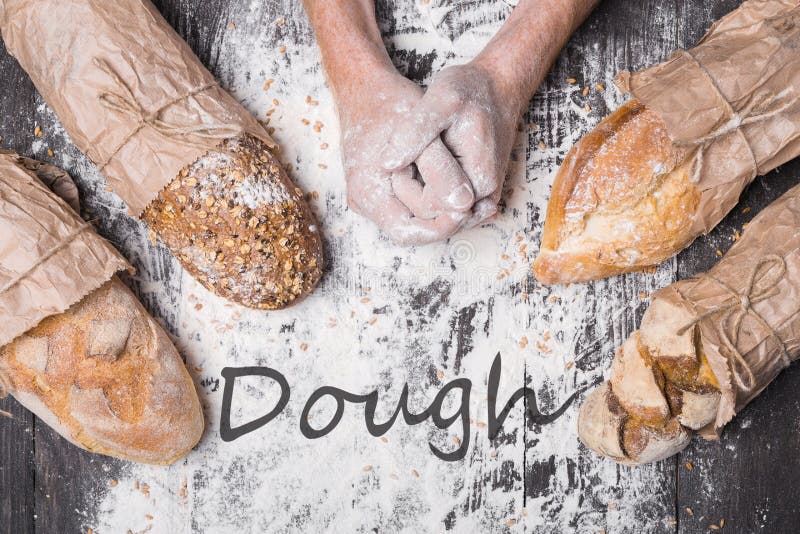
x,y
367,468
600,87
585,91
38,132
281,21
415,473
571,80
304,346
231,26
282,49
689,466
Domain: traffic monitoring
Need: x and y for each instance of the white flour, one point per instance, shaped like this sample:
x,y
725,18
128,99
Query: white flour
x,y
386,316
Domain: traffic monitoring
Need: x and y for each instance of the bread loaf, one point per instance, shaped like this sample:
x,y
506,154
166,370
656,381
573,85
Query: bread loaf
x,y
661,390
622,201
105,376
174,145
706,346
240,227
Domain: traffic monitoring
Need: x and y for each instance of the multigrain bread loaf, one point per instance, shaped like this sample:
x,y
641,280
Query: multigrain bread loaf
x,y
240,227
105,376
622,201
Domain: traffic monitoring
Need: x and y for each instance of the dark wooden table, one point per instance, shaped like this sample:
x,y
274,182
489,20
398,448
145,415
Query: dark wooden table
x,y
749,479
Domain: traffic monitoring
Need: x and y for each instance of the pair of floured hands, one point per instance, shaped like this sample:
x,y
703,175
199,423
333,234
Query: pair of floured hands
x,y
424,164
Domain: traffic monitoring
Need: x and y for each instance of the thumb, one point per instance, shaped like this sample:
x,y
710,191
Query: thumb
x,y
412,135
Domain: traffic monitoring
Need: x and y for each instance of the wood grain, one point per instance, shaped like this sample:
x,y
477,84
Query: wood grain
x,y
748,479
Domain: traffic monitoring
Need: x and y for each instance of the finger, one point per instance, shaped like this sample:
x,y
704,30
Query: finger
x,y
416,231
474,143
409,191
422,126
397,221
484,210
447,187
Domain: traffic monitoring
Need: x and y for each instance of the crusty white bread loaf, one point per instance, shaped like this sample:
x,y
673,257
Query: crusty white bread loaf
x,y
622,201
661,390
106,376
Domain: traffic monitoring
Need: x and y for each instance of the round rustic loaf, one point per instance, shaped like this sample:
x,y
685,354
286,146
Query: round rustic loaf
x,y
237,223
106,376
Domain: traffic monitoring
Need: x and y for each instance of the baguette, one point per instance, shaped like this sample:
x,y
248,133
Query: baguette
x,y
706,346
106,376
622,201
661,390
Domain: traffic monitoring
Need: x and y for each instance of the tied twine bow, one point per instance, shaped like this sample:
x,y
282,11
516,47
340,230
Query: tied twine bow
x,y
125,102
761,285
737,120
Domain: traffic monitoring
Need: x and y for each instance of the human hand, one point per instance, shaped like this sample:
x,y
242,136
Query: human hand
x,y
476,116
408,211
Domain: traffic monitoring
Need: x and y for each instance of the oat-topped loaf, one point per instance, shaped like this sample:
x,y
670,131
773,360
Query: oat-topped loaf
x,y
178,149
237,224
76,346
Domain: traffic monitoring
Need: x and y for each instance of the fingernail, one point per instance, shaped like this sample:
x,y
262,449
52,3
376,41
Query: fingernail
x,y
462,197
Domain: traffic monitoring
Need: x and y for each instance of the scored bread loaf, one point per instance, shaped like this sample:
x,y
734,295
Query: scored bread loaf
x,y
236,222
106,376
622,201
76,346
667,166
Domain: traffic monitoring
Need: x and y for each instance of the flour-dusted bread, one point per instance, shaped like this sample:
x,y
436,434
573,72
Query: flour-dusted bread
x,y
180,150
667,166
106,376
76,346
240,227
706,346
622,201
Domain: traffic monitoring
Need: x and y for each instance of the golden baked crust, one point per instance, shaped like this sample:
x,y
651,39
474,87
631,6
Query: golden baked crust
x,y
237,223
621,201
106,377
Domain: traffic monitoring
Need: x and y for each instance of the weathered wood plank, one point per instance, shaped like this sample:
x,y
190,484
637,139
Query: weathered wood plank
x,y
16,433
570,486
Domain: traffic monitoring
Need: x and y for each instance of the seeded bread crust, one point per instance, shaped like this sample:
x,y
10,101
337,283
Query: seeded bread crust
x,y
105,376
240,227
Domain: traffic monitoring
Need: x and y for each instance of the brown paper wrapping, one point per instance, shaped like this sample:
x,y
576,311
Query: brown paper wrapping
x,y
735,96
127,89
748,305
49,257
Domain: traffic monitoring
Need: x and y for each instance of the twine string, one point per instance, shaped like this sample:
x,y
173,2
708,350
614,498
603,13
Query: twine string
x,y
736,120
761,285
124,102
